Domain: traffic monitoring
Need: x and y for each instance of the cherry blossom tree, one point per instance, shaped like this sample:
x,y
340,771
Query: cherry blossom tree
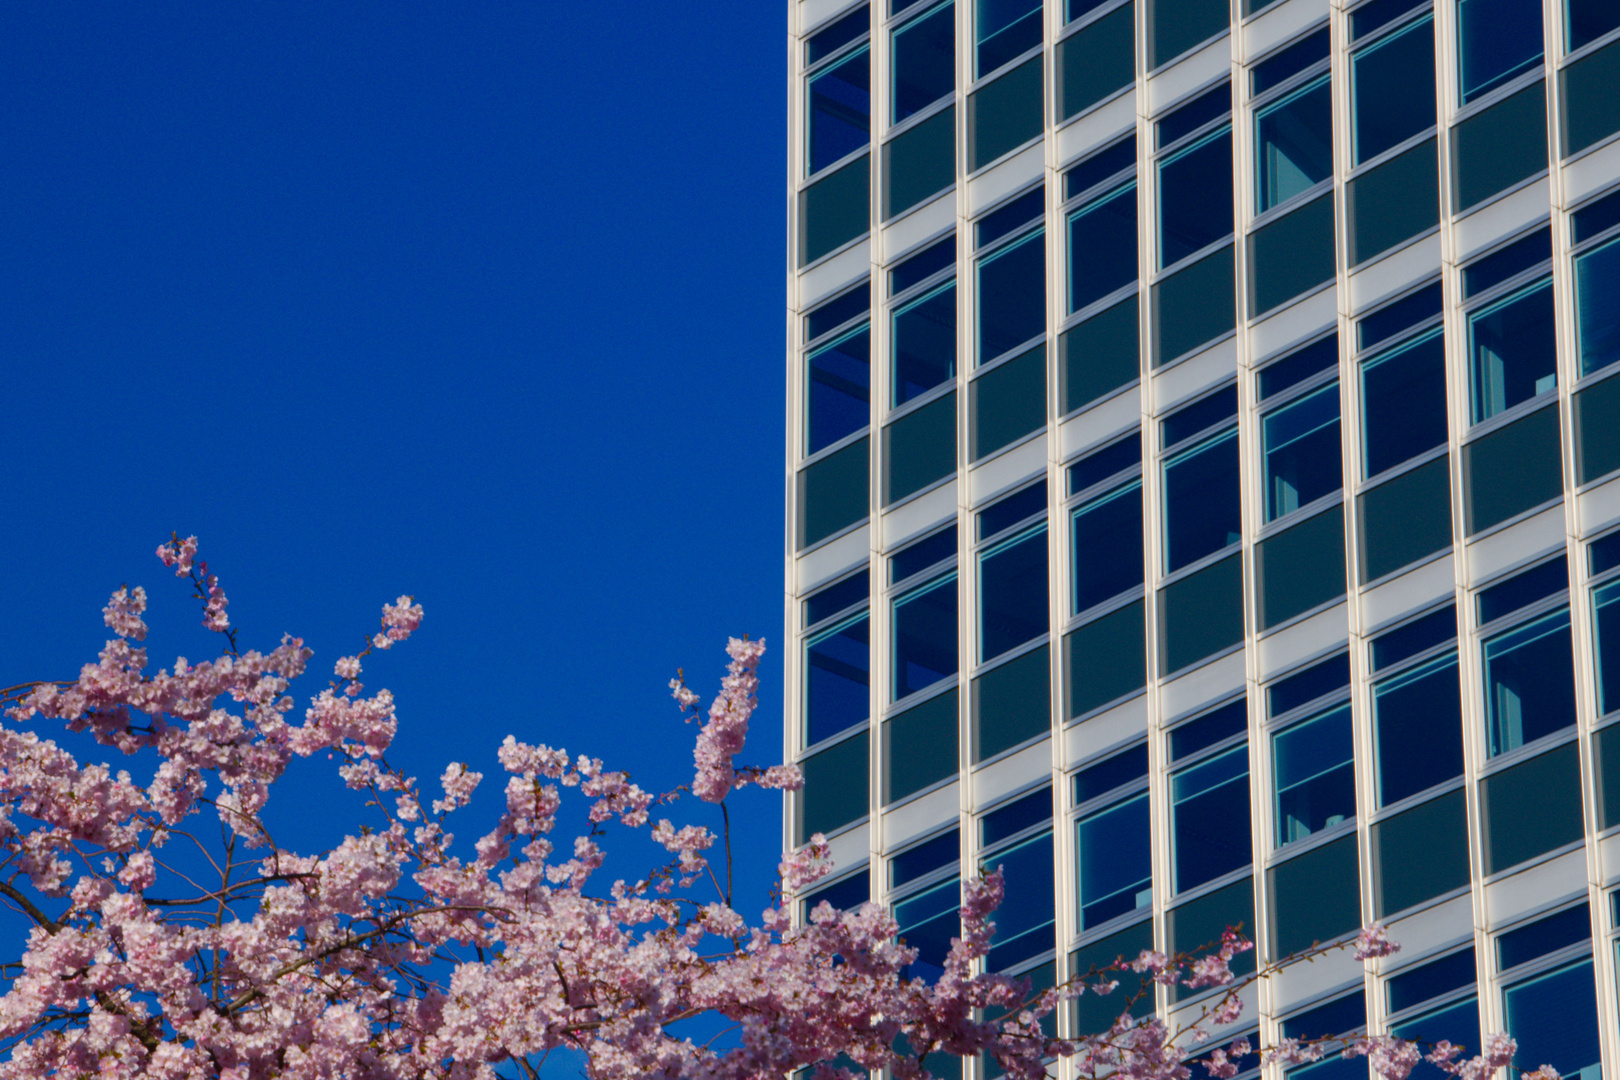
x,y
171,936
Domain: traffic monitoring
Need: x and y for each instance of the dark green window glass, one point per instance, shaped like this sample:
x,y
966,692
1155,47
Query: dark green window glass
x,y
1315,897
1291,255
1591,107
1174,26
1011,703
835,789
919,162
1301,568
1597,430
1005,114
1499,147
1194,306
1197,926
1406,519
1201,614
1393,202
919,448
835,210
832,493
1105,659
919,747
1512,470
1420,854
1100,355
1606,749
1096,62
1093,1014
1531,808
1008,402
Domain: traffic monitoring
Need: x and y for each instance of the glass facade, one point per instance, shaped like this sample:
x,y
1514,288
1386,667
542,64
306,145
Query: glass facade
x,y
1204,493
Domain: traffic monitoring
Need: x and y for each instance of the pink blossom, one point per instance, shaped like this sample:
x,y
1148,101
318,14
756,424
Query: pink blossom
x,y
123,613
1373,941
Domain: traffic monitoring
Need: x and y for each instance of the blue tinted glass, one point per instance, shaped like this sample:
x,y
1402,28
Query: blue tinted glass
x,y
1558,1014
1605,553
1185,119
837,400
1457,1023
1014,817
1195,197
921,555
1543,936
1522,590
1021,504
1113,859
1422,984
1386,322
1516,258
928,921
923,60
1125,767
1228,720
1012,593
1105,163
1597,315
1606,628
1202,414
834,598
1294,369
1369,17
1102,247
1392,90
930,855
1416,636
1338,1017
1279,67
1210,819
924,344
1201,510
1417,730
1529,682
924,636
925,264
1099,466
1316,681
840,110
1024,922
1498,39
841,33
1077,8
838,679
836,312
1293,144
1005,29
1595,217
1301,447
1107,548
1012,296
1028,207
1315,776
844,895
1587,20
1513,356
1403,403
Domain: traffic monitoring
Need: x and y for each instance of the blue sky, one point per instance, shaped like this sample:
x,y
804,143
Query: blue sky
x,y
477,302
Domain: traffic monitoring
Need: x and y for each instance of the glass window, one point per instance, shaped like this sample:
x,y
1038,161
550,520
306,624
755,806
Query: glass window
x,y
1094,1014
1009,510
928,921
1544,936
1293,141
1413,986
1011,818
919,747
1125,767
1006,113
833,493
823,43
1591,109
835,788
1007,402
1606,628
846,894
1497,41
923,58
1512,469
1105,164
1209,816
1587,20
1392,319
919,163
919,448
1506,262
1187,118
1301,447
832,599
924,636
1005,29
920,860
1523,589
1300,568
835,210
1226,722
1096,61
1207,412
1557,1011
1392,90
1279,67
1106,659
1420,853
1100,355
1495,149
1292,254
1011,296
1174,26
1102,247
1113,861
1342,1016
1597,430
1409,639
1393,202
840,103
1012,593
1597,316
1195,197
1319,680
838,399
1314,763
1192,926
1104,464
1597,216
1201,510
1315,896
1457,1023
1376,14
1012,703
1194,306
1403,403
1417,730
1025,922
1531,808
1107,547
921,554
1529,682
1405,519
924,343
1201,614
838,675
1291,370
918,268
1010,217
836,312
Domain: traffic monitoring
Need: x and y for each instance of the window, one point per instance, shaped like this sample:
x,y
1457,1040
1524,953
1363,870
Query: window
x,y
1026,920
1209,816
1512,353
833,493
1012,592
1392,90
1606,628
1597,316
924,343
1177,123
1113,852
1011,281
1005,29
1340,1017
1198,923
1201,509
1393,201
838,399
924,636
1096,61
835,788
1434,1002
837,311
919,163
1194,306
1313,763
1512,469
1417,729
1101,465
1587,20
840,105
923,59
1175,26
1298,366
918,268
1300,568
1283,65
1106,659
919,448
1408,640
1201,614
920,555
1102,246
1100,355
1531,808
1590,112
838,675
835,210
1420,853
1291,255
920,747
1507,262
1529,682
1006,402
845,894
929,898
1315,896
1498,40
1006,113
1301,448
1195,197
1403,403
1106,547
1550,993
1293,144
1306,685
1495,149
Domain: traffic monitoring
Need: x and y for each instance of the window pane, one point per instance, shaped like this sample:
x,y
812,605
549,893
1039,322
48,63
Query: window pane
x,y
835,598
1107,547
928,921
1499,147
1523,589
1597,430
1195,197
838,399
1201,511
1013,817
1497,40
1558,1014
1279,67
1394,202
1113,861
1093,1014
1544,937
1011,704
1317,357
1406,641
1201,614
832,493
1606,628
1591,107
1301,568
1207,412
1010,217
1406,519
1293,144
1301,447
921,554
924,343
1106,659
1415,985
919,448
844,895
1417,730
924,636
1025,921
1529,682
1512,469
919,747
1193,114
1315,776
1012,296
1457,1024
1392,90
835,210
838,311
1102,247
1126,767
1606,749
1508,261
923,58
1012,593
1226,722
1100,355
1597,316
1005,28
919,163
823,43
1531,808
1307,684
1110,461
919,860
1174,26
1194,306
1403,403
1198,924
838,676
1376,14
834,793
840,110
1007,403
923,265
1587,20
1420,854
1209,816
1315,897
1005,114
1291,255
1096,61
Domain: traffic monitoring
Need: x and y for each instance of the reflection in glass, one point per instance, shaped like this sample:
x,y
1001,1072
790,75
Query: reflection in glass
x,y
840,111
1209,816
1012,296
1597,315
1102,247
1301,446
924,636
1513,356
928,921
1315,775
1417,730
1107,547
1557,1013
838,672
1392,90
923,58
1195,197
1293,144
1497,41
1026,918
1012,593
1005,29
838,399
1113,861
924,343
1403,403
1529,682
1201,509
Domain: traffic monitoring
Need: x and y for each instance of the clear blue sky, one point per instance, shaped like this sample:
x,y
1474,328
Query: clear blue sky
x,y
479,302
